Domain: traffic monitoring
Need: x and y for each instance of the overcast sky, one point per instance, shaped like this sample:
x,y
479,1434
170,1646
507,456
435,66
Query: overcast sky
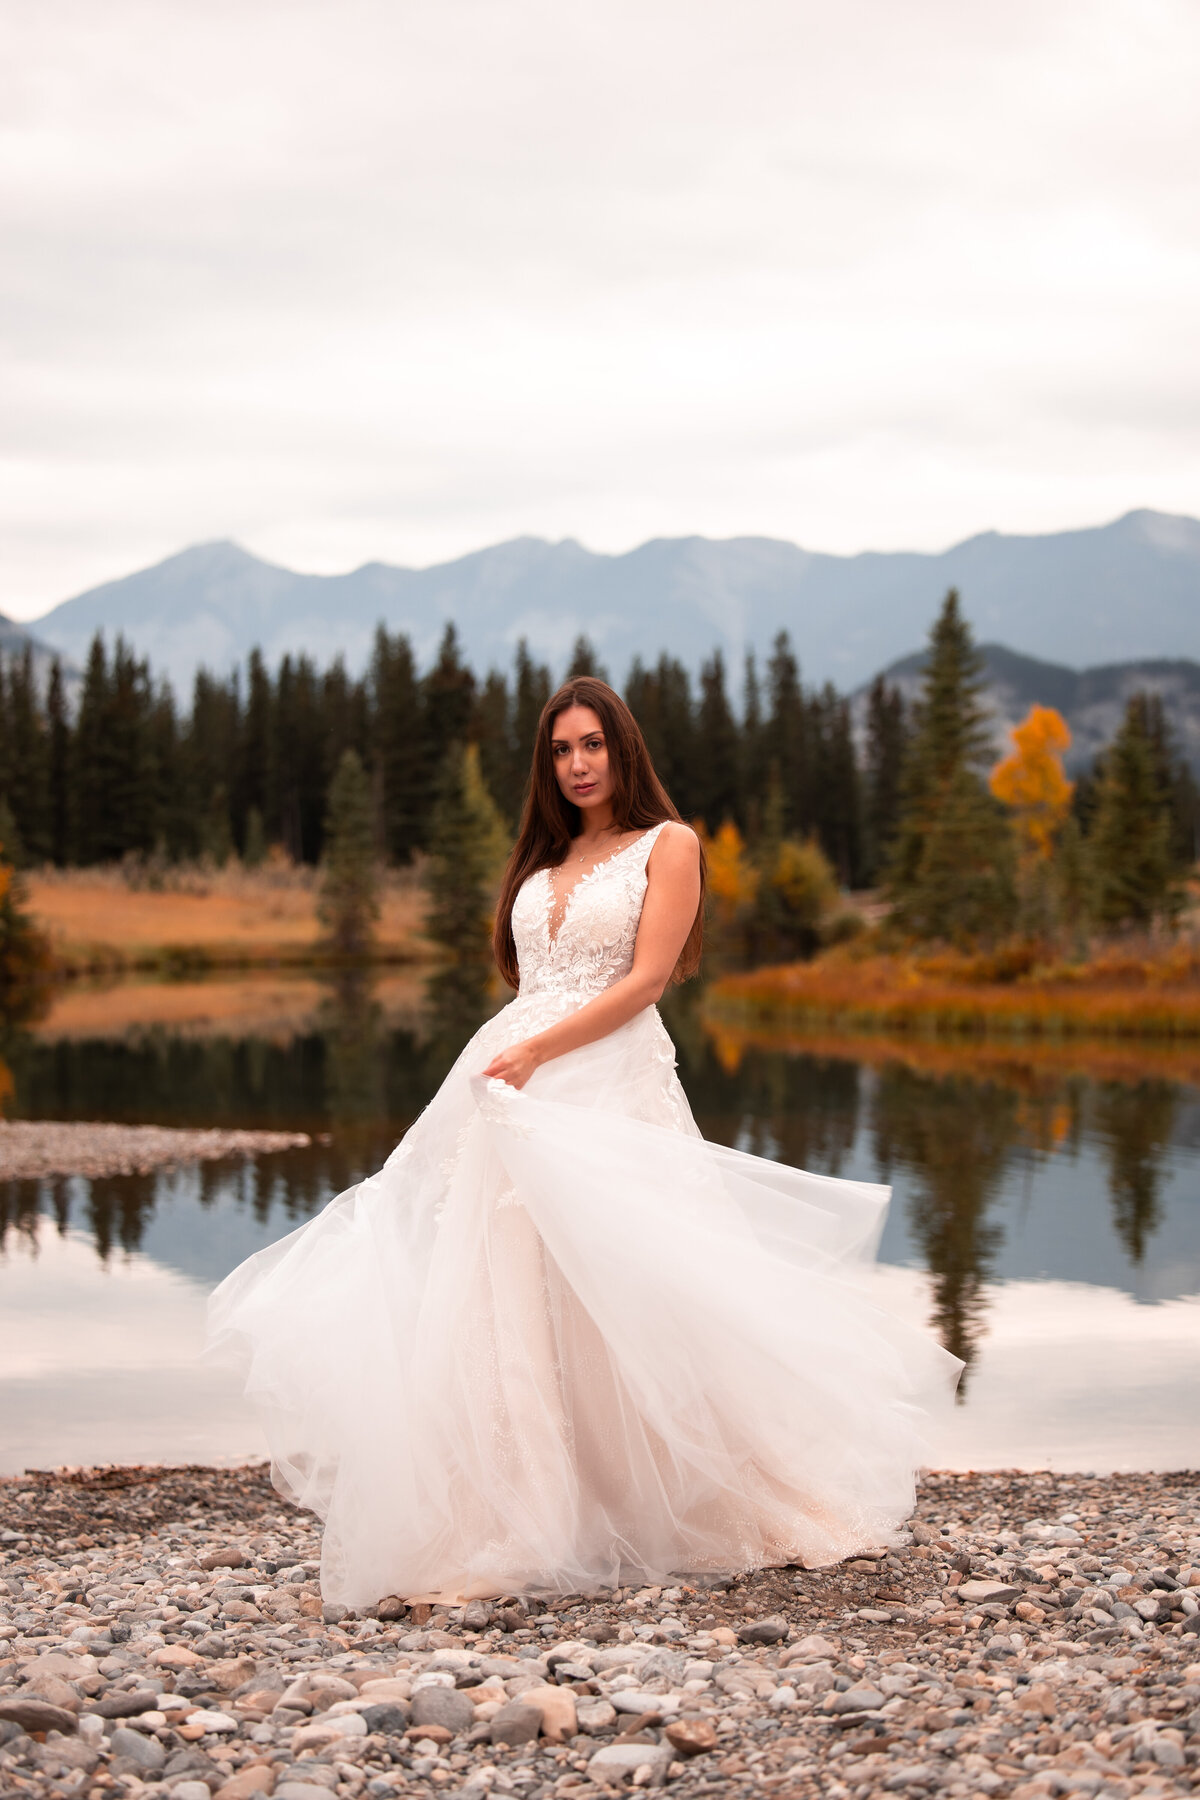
x,y
397,279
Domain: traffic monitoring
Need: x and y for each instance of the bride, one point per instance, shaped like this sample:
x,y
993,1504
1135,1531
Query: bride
x,y
559,1340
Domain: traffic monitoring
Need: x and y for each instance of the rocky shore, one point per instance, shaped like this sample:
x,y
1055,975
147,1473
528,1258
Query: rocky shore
x,y
31,1149
162,1632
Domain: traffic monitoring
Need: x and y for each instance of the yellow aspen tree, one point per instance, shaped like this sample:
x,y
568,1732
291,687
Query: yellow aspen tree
x,y
1031,781
732,877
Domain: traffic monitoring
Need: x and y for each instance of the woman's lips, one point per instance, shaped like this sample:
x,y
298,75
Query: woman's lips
x,y
584,787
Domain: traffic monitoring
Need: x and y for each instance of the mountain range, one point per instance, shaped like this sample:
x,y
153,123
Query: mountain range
x,y
1110,594
1123,597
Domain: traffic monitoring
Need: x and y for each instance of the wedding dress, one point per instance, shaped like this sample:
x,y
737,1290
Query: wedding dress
x,y
560,1341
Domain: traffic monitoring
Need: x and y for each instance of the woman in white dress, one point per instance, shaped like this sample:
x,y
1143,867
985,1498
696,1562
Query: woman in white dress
x,y
559,1340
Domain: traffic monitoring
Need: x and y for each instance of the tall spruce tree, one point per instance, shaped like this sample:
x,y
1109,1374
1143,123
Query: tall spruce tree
x,y
531,690
787,734
299,758
1174,777
449,702
887,735
753,758
584,660
494,735
716,787
58,740
1134,873
467,847
951,874
348,904
115,777
253,795
28,759
660,699
399,744
836,798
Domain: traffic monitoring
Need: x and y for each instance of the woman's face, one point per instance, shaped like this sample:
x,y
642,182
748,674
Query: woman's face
x,y
580,756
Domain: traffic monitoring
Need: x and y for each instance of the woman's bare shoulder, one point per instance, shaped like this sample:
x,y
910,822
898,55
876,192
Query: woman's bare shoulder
x,y
676,845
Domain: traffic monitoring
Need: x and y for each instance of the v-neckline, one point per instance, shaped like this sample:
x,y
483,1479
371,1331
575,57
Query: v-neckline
x,y
552,941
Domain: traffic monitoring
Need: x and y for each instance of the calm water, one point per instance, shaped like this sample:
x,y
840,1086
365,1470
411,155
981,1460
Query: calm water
x,y
1045,1215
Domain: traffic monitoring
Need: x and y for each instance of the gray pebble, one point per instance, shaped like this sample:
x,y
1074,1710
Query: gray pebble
x,y
443,1706
137,1748
516,1723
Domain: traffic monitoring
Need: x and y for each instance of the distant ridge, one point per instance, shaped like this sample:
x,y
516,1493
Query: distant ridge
x,y
1114,593
1090,700
16,639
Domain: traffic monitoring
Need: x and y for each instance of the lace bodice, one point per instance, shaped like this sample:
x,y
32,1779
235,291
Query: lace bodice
x,y
593,945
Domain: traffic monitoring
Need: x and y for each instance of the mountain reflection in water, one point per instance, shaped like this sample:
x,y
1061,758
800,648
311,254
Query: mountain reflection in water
x,y
1004,1168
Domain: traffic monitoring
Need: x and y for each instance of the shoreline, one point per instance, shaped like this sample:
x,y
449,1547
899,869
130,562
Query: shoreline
x,y
1118,997
37,1149
1038,1634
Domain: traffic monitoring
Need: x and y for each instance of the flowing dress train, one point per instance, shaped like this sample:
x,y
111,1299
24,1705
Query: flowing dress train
x,y
559,1340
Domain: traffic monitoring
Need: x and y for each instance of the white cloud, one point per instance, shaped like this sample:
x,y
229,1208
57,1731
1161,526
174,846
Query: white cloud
x,y
397,278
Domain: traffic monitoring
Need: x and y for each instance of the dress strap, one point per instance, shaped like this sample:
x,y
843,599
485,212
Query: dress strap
x,y
647,841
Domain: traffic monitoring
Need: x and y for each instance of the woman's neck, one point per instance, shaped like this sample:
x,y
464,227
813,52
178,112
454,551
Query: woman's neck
x,y
596,823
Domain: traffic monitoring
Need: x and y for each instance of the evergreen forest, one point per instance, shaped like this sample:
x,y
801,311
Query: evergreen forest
x,y
325,767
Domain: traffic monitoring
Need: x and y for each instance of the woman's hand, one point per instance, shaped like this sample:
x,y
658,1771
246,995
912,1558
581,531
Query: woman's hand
x,y
514,1065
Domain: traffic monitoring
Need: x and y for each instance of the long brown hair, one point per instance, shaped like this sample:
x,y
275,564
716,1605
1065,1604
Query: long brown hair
x,y
549,820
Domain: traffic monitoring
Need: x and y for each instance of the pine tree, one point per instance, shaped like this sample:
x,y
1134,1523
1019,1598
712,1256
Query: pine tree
x,y
753,752
1174,777
493,733
887,736
584,660
531,690
58,730
211,761
298,759
96,839
449,702
951,870
344,709
348,905
175,832
29,759
467,847
1133,871
254,787
716,788
836,799
660,699
254,842
787,734
399,745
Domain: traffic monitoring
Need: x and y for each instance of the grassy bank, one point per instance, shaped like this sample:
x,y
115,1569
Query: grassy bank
x,y
231,918
1008,994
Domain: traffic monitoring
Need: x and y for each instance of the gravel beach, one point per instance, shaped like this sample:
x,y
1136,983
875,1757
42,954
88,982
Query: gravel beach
x,y
162,1631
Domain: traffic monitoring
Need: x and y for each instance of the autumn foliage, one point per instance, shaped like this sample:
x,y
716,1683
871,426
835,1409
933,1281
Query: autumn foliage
x,y
1030,780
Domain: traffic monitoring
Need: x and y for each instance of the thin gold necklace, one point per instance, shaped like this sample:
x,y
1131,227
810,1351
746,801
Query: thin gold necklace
x,y
620,835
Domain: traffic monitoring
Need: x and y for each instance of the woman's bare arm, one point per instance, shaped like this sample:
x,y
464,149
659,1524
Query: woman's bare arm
x,y
672,896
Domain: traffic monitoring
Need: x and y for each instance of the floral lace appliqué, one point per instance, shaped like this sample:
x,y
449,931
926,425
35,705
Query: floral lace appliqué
x,y
597,928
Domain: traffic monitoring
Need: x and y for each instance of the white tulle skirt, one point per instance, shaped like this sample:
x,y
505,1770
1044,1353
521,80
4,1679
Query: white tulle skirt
x,y
560,1341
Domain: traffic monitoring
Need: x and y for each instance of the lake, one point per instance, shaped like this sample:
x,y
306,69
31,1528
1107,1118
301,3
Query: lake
x,y
1045,1217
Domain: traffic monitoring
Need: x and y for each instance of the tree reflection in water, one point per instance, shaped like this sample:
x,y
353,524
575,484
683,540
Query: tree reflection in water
x,y
955,1137
355,1077
1136,1125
